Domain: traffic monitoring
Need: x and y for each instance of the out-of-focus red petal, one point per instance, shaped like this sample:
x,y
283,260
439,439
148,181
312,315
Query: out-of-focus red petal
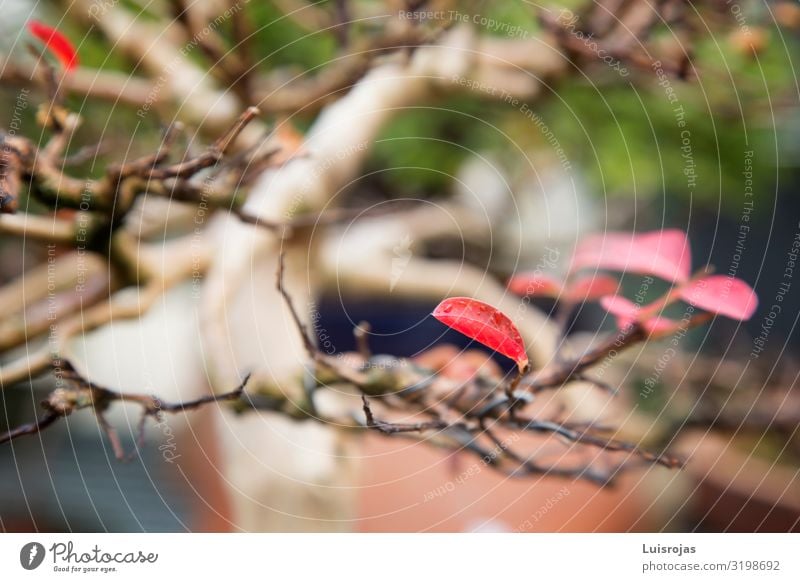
x,y
592,288
623,309
721,295
56,43
626,313
663,253
619,306
535,285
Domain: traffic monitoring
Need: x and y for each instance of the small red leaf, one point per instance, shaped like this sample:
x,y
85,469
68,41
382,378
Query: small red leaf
x,y
663,253
627,313
619,306
484,324
591,288
721,295
534,284
624,310
56,43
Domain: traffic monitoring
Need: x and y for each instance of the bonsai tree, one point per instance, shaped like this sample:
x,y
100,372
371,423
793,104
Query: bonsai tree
x,y
239,198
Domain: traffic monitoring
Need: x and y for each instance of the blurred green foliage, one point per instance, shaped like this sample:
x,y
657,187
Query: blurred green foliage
x,y
623,133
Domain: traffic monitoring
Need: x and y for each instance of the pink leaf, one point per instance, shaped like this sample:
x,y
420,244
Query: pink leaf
x,y
534,284
663,253
56,43
627,313
624,310
620,306
484,324
591,288
721,295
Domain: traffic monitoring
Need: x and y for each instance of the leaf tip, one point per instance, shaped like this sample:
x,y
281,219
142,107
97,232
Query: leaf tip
x,y
55,42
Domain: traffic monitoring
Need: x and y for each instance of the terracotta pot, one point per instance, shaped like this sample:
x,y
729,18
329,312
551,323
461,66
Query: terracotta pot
x,y
410,487
736,491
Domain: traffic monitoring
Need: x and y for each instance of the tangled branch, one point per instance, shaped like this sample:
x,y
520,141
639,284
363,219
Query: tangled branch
x,y
76,393
459,416
399,398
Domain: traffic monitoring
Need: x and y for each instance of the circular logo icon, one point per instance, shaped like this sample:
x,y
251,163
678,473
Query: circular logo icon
x,y
31,555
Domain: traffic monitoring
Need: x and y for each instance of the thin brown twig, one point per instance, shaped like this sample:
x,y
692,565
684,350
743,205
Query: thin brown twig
x,y
393,428
583,437
81,393
47,419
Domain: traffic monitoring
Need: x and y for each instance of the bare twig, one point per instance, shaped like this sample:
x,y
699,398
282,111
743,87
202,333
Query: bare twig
x,y
81,393
39,425
393,428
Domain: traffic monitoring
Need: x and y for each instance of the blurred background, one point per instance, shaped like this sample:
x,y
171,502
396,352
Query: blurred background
x,y
503,132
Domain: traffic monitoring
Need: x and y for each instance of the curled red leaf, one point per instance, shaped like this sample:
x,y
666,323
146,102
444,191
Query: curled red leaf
x,y
56,43
484,324
721,295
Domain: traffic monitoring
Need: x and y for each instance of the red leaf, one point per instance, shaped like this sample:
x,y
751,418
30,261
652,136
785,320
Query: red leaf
x,y
591,288
721,295
56,43
627,313
534,284
623,309
484,324
663,253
